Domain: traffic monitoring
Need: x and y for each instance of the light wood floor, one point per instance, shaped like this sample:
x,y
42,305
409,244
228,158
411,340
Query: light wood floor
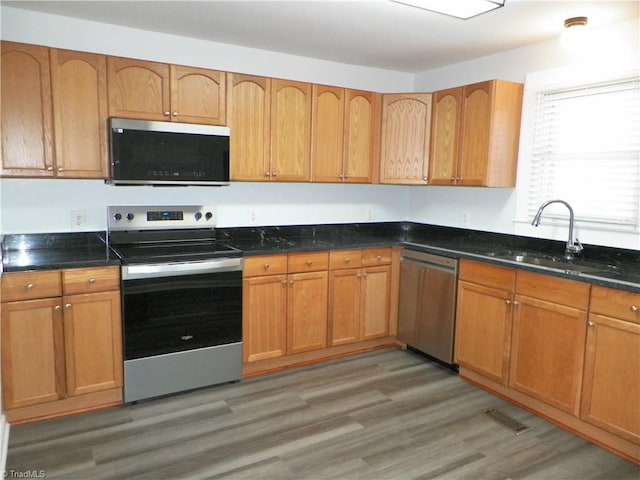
x,y
384,415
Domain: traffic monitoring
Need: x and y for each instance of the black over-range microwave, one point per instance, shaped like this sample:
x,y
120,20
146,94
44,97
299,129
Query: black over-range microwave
x,y
168,153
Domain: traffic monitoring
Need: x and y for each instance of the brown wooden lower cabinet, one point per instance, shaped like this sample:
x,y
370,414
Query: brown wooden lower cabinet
x,y
359,300
483,324
285,305
305,307
611,385
63,353
563,349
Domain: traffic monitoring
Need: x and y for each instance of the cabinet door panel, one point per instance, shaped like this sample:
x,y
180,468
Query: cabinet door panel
x,y
611,389
264,317
547,352
475,131
445,133
26,120
290,130
79,83
248,116
32,353
93,342
307,312
344,306
138,89
327,131
483,330
406,124
375,302
197,95
361,156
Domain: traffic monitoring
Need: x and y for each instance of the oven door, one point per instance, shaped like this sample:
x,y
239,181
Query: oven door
x,y
177,307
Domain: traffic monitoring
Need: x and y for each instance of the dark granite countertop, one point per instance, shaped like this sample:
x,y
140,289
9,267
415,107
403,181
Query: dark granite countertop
x,y
606,266
54,251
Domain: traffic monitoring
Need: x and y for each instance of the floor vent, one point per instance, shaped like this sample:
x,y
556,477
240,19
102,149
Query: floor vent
x,y
506,421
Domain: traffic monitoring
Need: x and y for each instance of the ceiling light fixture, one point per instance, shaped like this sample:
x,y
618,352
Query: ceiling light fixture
x,y
573,35
456,8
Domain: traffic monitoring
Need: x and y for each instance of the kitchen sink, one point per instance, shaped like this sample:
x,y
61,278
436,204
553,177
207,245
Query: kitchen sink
x,y
554,262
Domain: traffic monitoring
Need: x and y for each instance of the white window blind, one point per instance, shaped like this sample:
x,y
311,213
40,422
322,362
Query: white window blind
x,y
586,150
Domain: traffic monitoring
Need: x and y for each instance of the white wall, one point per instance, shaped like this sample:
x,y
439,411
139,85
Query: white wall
x,y
616,48
36,206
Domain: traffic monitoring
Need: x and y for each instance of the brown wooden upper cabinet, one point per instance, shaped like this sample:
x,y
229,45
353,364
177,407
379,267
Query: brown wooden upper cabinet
x,y
158,91
270,123
248,117
27,124
79,82
406,128
344,135
290,131
475,134
46,90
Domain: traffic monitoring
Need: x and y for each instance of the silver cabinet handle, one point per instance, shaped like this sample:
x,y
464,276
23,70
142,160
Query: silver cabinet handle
x,y
30,286
167,113
57,307
67,306
508,302
60,169
92,280
309,262
635,308
49,169
591,324
175,114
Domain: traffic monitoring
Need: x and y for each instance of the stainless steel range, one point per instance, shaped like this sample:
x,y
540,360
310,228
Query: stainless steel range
x,y
182,299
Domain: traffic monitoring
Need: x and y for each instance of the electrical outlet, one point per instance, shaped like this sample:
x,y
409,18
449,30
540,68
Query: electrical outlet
x,y
466,218
252,218
78,219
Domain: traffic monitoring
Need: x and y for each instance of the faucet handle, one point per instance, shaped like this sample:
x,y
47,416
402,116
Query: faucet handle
x,y
575,247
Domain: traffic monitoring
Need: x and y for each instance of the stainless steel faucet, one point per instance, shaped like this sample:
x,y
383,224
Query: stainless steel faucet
x,y
573,247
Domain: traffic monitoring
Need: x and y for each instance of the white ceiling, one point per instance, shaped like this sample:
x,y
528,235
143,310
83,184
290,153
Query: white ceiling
x,y
375,33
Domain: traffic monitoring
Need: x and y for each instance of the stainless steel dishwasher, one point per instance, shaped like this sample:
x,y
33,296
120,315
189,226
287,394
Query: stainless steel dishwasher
x,y
426,316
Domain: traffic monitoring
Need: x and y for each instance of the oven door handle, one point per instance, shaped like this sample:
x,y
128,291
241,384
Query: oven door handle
x,y
134,272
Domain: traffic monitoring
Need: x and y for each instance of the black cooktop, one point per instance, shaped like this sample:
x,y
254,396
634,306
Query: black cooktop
x,y
173,252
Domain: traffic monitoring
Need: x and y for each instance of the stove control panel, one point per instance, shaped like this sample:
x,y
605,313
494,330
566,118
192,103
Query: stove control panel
x,y
136,217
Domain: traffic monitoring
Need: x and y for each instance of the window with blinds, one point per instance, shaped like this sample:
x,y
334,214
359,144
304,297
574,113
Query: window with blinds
x,y
586,150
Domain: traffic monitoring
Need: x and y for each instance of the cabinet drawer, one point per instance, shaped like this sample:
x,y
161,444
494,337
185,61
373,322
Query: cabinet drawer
x,y
265,265
339,259
308,262
488,275
616,303
376,256
553,289
27,286
89,280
